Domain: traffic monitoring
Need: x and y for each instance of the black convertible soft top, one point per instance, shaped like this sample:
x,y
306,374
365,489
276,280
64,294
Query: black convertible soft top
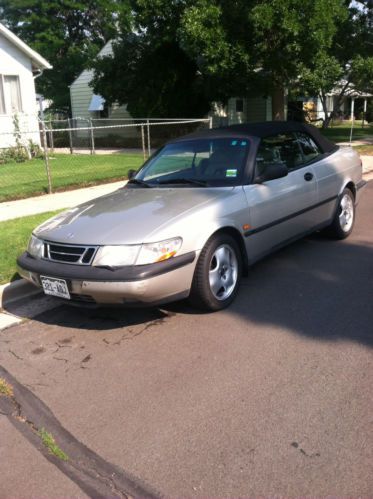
x,y
265,129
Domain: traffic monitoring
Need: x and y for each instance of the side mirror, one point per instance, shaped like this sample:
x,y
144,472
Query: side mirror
x,y
131,173
271,172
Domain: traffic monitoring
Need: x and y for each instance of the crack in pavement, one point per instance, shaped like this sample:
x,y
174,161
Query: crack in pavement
x,y
15,355
302,451
98,478
130,335
61,358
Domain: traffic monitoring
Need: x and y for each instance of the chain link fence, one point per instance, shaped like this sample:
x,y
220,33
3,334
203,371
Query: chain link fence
x,y
79,152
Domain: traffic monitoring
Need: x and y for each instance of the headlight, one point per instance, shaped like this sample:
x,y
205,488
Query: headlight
x,y
35,247
139,254
157,252
116,256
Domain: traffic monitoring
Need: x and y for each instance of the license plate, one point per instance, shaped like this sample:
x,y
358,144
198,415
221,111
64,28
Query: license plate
x,y
55,287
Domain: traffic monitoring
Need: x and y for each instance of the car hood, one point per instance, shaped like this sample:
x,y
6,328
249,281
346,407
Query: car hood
x,y
127,216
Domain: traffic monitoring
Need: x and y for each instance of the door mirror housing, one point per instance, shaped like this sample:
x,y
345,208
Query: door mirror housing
x,y
131,173
271,172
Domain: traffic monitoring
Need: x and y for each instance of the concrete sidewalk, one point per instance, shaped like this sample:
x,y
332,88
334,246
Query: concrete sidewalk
x,y
60,200
367,164
50,202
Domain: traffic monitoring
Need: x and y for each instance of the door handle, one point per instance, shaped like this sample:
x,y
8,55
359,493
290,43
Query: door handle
x,y
308,176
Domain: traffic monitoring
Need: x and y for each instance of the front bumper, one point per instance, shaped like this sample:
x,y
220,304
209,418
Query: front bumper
x,y
152,284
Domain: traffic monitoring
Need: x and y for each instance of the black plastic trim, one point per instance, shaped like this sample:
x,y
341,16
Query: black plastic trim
x,y
90,273
361,184
288,217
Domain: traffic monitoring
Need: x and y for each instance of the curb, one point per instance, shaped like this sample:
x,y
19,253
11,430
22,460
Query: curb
x,y
17,290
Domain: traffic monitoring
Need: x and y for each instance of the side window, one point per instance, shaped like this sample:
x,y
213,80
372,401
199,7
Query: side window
x,y
281,148
309,148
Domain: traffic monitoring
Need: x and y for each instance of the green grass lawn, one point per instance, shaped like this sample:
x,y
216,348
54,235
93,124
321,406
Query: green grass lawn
x,y
13,241
364,150
21,180
341,133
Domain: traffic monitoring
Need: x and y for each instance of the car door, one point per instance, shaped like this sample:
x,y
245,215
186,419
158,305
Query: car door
x,y
279,209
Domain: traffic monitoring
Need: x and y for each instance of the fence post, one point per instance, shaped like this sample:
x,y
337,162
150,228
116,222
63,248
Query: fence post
x,y
46,157
352,128
70,136
210,122
92,136
364,112
51,137
148,130
143,141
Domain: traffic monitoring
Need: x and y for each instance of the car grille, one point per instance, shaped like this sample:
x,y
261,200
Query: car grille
x,y
66,253
82,298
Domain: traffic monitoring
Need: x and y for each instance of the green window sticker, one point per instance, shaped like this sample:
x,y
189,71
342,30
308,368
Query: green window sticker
x,y
231,173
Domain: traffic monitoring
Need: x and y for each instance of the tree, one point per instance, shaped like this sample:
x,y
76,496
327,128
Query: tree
x,y
153,80
345,64
265,42
68,33
149,70
221,48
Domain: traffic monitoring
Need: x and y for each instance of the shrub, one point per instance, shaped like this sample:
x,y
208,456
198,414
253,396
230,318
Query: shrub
x,y
16,154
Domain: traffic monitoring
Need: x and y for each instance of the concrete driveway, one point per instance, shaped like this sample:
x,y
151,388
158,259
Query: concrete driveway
x,y
272,397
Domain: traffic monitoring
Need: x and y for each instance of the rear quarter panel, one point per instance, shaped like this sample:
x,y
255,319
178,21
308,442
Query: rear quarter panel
x,y
333,173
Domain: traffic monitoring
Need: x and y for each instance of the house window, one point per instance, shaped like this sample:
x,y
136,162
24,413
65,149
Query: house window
x,y
2,102
10,94
99,107
239,105
104,113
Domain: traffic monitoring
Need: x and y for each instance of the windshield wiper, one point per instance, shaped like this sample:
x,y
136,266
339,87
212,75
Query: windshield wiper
x,y
137,181
199,183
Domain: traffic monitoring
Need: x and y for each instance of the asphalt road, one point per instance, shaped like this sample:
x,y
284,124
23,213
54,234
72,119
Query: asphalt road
x,y
272,397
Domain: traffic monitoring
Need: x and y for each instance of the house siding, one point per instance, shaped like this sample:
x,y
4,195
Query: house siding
x,y
257,109
254,109
81,94
14,62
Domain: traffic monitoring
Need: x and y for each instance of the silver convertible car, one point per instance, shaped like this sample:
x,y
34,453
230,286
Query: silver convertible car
x,y
196,215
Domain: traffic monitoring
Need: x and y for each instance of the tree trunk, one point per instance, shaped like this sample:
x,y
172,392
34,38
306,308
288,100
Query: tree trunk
x,y
327,119
278,104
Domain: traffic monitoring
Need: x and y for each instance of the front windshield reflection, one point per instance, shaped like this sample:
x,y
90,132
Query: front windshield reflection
x,y
201,162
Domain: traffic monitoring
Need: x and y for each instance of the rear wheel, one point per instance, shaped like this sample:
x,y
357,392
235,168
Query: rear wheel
x,y
217,274
344,218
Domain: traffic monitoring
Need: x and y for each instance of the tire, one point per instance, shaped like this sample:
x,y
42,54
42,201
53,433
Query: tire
x,y
344,218
217,274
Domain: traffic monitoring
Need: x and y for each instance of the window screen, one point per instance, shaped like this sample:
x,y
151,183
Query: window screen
x,y
13,91
2,103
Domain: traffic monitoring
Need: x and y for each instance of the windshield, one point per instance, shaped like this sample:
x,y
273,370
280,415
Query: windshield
x,y
197,163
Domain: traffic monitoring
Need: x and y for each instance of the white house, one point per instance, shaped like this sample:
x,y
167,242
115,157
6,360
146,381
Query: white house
x,y
19,66
242,110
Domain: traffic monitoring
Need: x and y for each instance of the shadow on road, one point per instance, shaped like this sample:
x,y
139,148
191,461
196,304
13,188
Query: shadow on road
x,y
318,288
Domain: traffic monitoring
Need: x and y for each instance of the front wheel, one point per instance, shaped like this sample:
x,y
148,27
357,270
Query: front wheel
x,y
217,274
344,218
